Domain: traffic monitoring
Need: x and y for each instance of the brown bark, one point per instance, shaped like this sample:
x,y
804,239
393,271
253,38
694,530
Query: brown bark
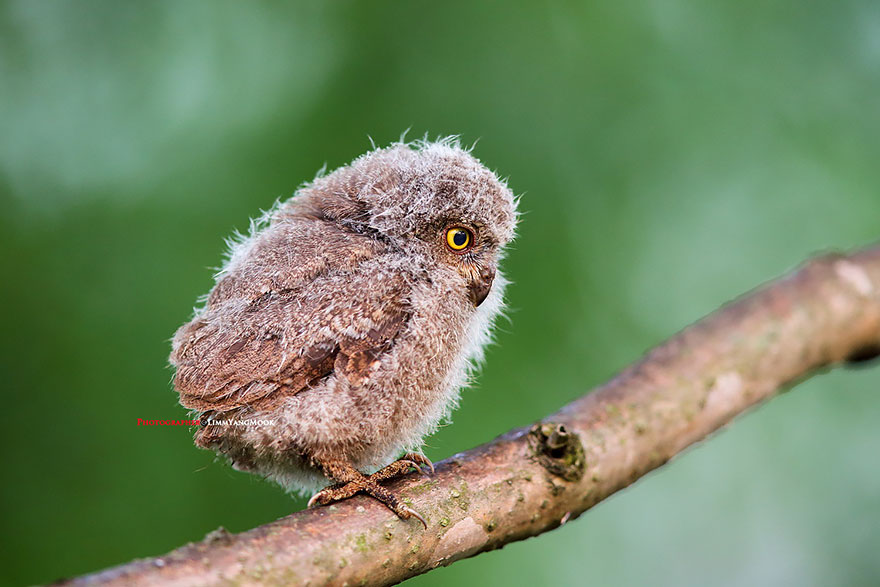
x,y
533,479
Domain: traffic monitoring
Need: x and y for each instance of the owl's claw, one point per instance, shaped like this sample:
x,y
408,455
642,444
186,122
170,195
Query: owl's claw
x,y
409,512
324,496
419,461
339,491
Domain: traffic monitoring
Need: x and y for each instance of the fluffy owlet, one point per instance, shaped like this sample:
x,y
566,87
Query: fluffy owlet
x,y
339,333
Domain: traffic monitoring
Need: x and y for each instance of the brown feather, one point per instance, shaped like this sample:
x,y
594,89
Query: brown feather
x,y
232,358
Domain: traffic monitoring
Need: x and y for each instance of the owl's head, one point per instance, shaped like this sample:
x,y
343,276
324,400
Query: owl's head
x,y
431,199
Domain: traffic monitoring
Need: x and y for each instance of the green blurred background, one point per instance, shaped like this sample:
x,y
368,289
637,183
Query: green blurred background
x,y
672,155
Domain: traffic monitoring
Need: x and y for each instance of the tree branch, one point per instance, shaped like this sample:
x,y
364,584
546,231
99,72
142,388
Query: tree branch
x,y
534,479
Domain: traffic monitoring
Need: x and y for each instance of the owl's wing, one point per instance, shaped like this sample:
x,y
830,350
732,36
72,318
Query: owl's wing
x,y
251,351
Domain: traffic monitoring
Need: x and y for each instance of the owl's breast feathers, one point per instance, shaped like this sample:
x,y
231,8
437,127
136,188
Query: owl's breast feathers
x,y
306,302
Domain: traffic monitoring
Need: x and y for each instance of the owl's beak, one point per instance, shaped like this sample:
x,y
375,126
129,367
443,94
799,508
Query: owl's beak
x,y
479,287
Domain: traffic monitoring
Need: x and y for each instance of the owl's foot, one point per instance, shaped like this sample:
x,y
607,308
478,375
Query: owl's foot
x,y
351,481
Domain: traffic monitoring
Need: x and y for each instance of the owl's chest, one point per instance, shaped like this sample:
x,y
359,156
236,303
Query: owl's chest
x,y
436,342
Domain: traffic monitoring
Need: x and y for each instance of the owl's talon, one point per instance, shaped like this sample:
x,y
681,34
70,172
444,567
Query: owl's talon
x,y
316,499
419,461
320,498
407,512
336,492
408,464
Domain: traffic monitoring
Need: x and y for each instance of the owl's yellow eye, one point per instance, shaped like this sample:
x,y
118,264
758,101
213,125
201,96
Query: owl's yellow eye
x,y
458,239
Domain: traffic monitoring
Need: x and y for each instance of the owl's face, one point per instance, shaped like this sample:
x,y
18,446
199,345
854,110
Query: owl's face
x,y
433,201
469,248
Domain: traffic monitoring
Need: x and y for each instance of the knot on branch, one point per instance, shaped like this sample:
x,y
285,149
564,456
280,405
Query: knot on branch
x,y
558,450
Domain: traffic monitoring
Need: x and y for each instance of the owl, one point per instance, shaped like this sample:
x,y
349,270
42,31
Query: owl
x,y
339,333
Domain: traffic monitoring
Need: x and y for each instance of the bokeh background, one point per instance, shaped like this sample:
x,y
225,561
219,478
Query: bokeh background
x,y
671,154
